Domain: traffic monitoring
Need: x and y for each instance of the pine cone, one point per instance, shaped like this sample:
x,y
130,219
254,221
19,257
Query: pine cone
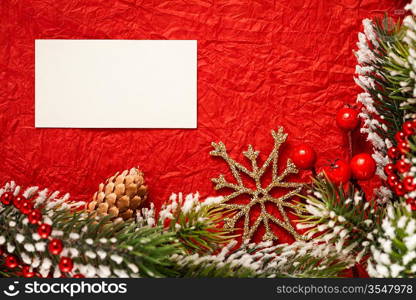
x,y
120,196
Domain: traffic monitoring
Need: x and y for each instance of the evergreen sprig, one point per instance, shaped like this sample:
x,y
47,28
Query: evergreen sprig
x,y
390,70
197,225
340,217
98,247
394,249
301,259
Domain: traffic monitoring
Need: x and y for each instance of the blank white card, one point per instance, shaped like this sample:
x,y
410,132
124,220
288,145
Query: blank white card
x,y
116,83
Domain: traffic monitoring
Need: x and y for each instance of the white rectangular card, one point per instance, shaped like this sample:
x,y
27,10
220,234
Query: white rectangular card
x,y
116,83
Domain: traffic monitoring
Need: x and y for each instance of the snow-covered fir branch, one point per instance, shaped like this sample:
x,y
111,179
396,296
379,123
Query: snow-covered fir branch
x,y
410,39
411,7
185,214
122,252
98,248
394,249
343,219
191,204
267,260
367,45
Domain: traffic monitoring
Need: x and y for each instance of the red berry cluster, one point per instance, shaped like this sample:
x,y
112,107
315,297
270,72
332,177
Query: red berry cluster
x,y
398,177
11,262
362,166
55,246
24,205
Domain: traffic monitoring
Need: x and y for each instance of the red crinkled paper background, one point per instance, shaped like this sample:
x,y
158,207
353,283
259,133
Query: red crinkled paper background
x,y
260,64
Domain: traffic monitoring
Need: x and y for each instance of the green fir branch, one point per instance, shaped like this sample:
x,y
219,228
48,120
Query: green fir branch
x,y
121,246
301,259
98,247
388,74
342,218
394,249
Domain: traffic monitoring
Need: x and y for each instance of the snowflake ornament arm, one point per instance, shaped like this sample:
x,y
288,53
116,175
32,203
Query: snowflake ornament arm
x,y
259,195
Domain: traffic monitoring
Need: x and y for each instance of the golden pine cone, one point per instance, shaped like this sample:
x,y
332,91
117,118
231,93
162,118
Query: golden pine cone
x,y
120,196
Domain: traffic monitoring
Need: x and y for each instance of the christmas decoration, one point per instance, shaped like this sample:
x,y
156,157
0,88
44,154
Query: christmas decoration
x,y
120,196
184,215
66,264
11,261
374,61
393,152
259,195
402,166
402,170
265,260
71,242
393,251
43,234
34,216
400,137
25,207
338,172
17,201
303,156
409,128
150,246
27,273
347,118
6,198
342,218
363,166
55,246
389,169
44,230
409,183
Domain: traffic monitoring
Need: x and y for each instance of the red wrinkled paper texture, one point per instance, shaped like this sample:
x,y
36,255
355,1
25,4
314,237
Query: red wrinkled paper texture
x,y
261,64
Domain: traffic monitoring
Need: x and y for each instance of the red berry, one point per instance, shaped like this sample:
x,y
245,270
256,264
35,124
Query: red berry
x,y
338,172
11,261
403,147
363,166
27,273
55,246
393,152
304,156
347,118
66,264
399,189
17,201
34,216
408,128
392,180
78,276
389,169
409,184
26,207
402,166
400,136
412,203
44,230
6,198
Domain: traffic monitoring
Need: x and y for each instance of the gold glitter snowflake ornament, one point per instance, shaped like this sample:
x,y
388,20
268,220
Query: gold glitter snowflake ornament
x,y
259,195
